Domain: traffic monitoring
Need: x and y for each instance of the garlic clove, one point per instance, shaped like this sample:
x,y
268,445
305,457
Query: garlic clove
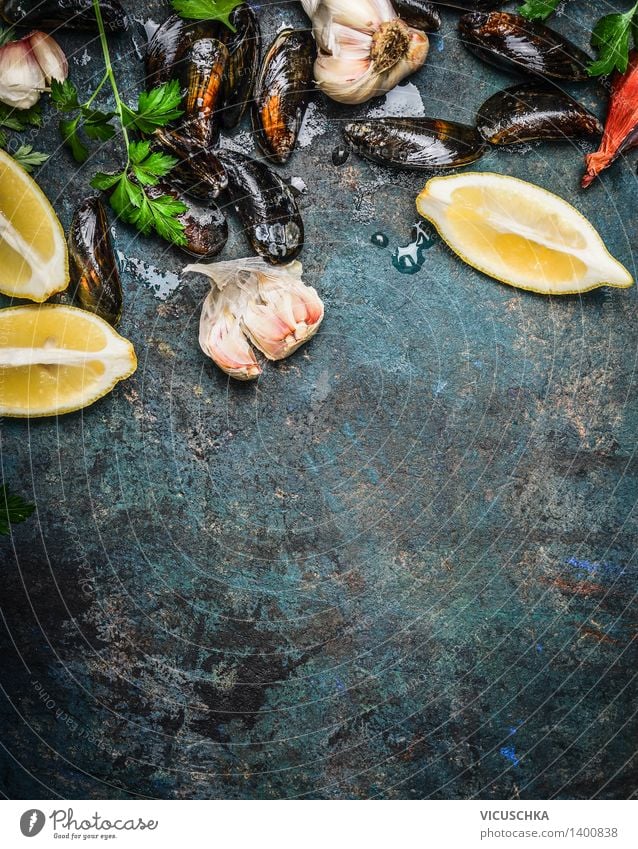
x,y
364,15
221,338
50,56
22,80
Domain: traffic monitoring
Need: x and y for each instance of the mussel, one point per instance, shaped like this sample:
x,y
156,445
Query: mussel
x,y
172,41
417,143
199,171
92,263
471,5
244,47
70,14
532,111
420,14
283,92
204,67
513,43
205,226
266,207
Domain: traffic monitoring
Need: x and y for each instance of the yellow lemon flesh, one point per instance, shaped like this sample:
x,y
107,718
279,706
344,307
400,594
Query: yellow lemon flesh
x,y
33,254
520,234
56,359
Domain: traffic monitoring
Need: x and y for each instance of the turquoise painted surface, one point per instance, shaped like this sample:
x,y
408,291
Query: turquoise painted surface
x,y
402,565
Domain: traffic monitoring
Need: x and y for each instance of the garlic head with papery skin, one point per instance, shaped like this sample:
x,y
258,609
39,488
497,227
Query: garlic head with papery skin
x,y
27,67
364,48
251,300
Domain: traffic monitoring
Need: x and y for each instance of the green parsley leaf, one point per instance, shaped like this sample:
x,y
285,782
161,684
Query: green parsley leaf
x,y
6,34
13,509
64,96
69,130
20,119
611,38
96,124
538,10
156,108
207,10
29,158
134,206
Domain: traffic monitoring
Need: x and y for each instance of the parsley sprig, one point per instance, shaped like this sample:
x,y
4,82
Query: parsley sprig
x,y
144,168
612,36
207,10
13,509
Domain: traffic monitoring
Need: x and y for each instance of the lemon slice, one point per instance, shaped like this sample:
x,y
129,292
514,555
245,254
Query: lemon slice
x,y
56,359
520,234
33,254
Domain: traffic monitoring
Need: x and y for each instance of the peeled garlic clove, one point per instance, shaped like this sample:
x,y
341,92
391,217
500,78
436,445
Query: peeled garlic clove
x,y
49,56
22,80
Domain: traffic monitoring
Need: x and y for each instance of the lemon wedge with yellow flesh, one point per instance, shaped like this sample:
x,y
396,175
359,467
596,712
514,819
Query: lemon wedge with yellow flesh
x,y
56,359
520,234
33,254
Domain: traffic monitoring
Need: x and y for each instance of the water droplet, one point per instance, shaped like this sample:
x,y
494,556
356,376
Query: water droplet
x,y
340,155
380,240
410,259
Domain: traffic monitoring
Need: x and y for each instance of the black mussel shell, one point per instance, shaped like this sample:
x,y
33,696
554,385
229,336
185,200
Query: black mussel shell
x,y
205,225
244,47
92,263
512,42
203,71
174,38
528,112
70,14
420,14
266,207
416,143
199,171
283,91
170,44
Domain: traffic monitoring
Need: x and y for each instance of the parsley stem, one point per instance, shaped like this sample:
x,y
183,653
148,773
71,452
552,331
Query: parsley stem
x,y
97,90
119,106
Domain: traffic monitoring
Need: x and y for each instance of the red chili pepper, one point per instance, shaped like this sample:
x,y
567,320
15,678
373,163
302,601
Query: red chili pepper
x,y
621,127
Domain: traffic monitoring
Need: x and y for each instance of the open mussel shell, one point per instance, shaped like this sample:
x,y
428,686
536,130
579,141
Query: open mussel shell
x,y
92,263
419,14
199,171
205,225
203,71
70,14
424,144
530,112
244,47
283,91
265,206
512,42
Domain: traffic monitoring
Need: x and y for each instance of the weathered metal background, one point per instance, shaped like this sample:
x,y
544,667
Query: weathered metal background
x,y
401,565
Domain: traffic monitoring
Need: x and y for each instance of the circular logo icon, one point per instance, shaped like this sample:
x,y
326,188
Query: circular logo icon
x,y
32,822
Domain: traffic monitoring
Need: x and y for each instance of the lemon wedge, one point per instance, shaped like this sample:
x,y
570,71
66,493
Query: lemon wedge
x,y
520,234
56,359
33,254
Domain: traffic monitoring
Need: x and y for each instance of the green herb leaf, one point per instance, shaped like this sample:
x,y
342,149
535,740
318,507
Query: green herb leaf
x,y
538,10
6,34
611,38
134,206
20,119
96,124
156,108
64,96
29,158
13,509
69,130
207,10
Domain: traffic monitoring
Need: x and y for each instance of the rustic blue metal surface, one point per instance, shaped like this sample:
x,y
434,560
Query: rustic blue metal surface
x,y
401,565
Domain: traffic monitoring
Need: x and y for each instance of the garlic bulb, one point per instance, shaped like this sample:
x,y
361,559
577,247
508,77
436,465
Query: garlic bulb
x,y
250,300
364,48
27,67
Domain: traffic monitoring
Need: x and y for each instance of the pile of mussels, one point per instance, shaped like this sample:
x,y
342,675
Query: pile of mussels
x,y
222,77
